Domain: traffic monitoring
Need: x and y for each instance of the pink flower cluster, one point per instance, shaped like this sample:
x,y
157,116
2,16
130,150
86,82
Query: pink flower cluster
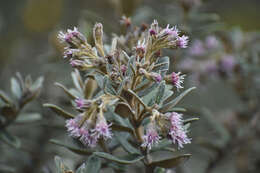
x,y
88,132
175,128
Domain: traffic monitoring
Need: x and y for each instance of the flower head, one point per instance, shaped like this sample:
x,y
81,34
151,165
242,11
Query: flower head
x,y
177,132
102,129
182,41
177,79
73,127
171,32
151,137
82,103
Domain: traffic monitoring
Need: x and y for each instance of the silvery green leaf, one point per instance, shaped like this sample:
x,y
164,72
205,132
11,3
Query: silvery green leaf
x,y
160,93
99,79
162,144
175,101
162,64
9,139
61,167
75,93
117,167
81,169
72,96
59,111
74,149
171,162
28,117
147,90
93,164
15,88
130,66
126,145
78,83
108,86
130,159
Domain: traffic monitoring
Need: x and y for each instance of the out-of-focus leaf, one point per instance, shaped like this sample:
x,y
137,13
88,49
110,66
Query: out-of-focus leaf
x,y
99,79
5,98
217,125
15,88
65,90
171,162
190,120
61,167
124,110
133,158
174,102
59,111
7,169
177,109
126,145
93,164
37,84
72,148
9,139
28,117
159,170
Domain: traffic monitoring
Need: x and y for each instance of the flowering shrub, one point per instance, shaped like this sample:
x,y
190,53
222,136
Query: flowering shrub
x,y
125,99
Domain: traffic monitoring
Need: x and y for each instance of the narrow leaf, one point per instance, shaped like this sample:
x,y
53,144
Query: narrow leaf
x,y
133,159
71,148
28,118
5,98
190,120
171,162
15,88
126,145
174,102
59,111
160,93
65,90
